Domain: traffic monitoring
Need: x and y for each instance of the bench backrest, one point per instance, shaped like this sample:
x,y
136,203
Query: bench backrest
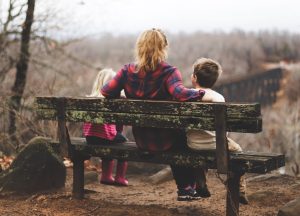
x,y
244,118
219,117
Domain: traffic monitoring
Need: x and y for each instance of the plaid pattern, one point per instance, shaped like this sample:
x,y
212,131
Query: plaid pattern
x,y
165,83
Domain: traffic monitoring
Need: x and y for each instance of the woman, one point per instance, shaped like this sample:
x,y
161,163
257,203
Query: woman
x,y
151,77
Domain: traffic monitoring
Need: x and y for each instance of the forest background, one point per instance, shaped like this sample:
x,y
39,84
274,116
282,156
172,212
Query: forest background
x,y
67,66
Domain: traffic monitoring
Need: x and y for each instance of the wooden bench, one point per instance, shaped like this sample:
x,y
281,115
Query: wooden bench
x,y
219,117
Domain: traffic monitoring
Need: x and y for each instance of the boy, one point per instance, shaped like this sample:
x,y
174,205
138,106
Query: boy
x,y
205,74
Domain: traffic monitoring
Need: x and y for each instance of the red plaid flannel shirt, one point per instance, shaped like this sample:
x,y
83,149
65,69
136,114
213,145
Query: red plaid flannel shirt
x,y
165,83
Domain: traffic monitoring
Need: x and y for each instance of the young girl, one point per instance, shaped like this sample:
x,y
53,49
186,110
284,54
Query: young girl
x,y
106,134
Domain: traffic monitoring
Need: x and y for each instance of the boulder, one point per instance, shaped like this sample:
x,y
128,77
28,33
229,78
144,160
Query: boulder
x,y
161,176
90,177
37,167
292,208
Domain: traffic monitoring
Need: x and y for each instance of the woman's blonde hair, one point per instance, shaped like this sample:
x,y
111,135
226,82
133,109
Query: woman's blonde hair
x,y
151,49
103,77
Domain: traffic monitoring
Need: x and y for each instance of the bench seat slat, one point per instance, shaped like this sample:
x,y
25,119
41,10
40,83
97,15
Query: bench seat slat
x,y
248,162
245,125
234,110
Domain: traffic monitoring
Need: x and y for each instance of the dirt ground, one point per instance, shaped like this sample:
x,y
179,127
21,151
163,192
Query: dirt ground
x,y
266,194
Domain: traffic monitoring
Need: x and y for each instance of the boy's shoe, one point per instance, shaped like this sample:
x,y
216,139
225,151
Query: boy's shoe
x,y
243,199
187,195
203,192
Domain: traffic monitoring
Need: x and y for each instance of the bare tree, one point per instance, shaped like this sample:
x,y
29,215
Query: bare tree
x,y
22,67
9,34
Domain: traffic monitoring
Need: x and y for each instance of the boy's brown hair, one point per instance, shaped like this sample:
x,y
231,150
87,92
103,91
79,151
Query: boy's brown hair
x,y
206,72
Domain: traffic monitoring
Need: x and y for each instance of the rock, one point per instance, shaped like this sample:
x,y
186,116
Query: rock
x,y
37,167
90,177
290,209
144,168
162,176
265,177
261,195
41,198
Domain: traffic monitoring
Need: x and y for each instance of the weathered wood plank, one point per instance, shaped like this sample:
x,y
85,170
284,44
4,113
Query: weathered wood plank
x,y
62,127
78,178
150,107
245,125
238,161
221,140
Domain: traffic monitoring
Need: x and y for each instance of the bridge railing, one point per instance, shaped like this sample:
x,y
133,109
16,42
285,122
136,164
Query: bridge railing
x,y
260,87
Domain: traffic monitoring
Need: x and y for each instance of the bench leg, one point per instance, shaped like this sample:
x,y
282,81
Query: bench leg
x,y
78,178
233,190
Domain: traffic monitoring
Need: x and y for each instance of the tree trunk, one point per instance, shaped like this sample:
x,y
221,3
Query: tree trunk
x,y
22,66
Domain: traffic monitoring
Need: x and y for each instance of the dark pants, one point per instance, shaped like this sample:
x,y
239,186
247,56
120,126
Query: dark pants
x,y
183,176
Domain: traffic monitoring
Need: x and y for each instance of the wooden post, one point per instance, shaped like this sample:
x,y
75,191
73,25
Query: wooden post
x,y
233,194
221,139
62,127
78,178
65,148
222,155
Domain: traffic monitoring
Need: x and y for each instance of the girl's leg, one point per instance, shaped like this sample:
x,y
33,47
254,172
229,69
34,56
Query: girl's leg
x,y
107,169
119,138
106,164
122,165
121,172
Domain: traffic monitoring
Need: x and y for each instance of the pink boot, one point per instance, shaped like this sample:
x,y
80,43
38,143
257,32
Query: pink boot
x,y
107,169
120,175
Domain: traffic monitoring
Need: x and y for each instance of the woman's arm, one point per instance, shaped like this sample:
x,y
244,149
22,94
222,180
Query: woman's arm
x,y
179,92
113,88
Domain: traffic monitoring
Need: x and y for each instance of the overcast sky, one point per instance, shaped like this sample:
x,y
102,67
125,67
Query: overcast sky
x,y
88,17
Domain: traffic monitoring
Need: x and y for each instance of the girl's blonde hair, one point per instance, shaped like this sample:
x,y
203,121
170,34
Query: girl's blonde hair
x,y
103,77
151,49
